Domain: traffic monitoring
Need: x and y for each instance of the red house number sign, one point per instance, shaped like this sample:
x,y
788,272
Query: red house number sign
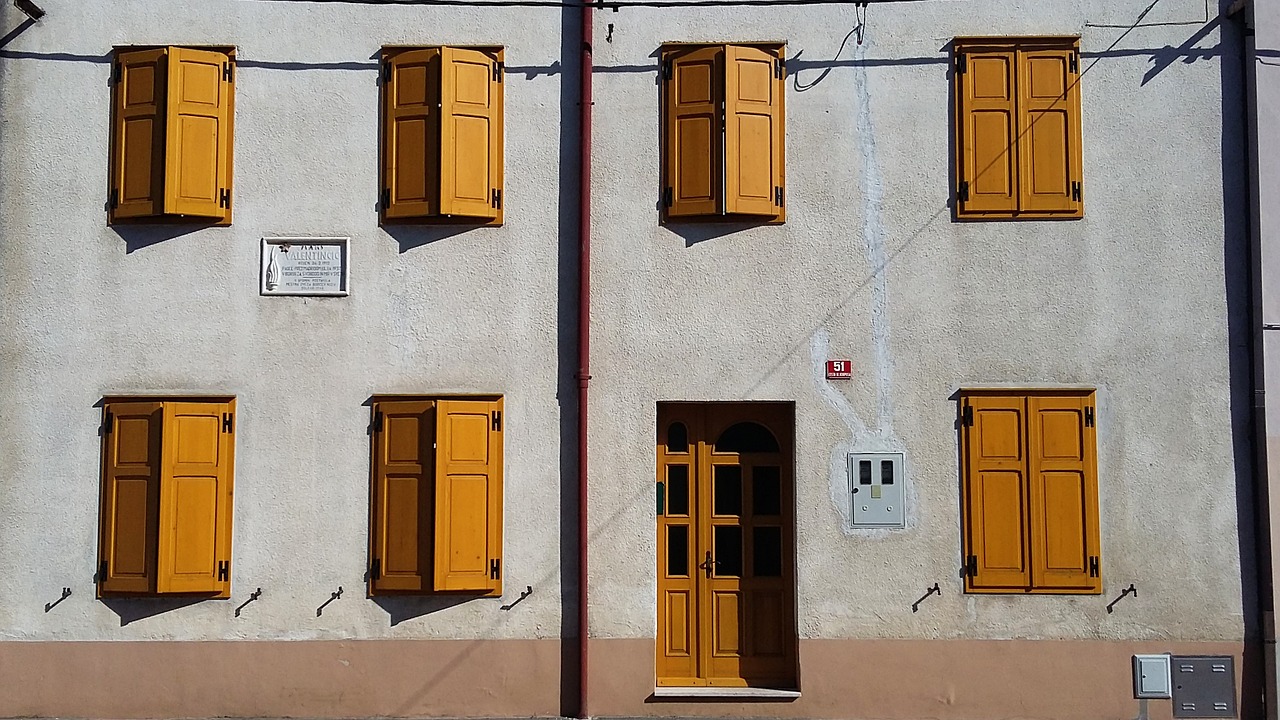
x,y
839,370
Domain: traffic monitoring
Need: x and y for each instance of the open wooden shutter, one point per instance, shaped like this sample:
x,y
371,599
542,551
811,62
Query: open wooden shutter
x,y
468,538
130,497
137,161
1049,125
988,124
693,158
995,489
403,501
195,498
1064,494
471,127
753,132
411,134
197,181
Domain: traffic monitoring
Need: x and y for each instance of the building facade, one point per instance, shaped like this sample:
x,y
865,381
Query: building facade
x,y
919,364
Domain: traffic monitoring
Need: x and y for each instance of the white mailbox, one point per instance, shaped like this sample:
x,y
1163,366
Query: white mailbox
x,y
1152,676
876,490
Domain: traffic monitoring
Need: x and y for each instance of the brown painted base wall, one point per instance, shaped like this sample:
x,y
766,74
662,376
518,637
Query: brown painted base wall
x,y
979,679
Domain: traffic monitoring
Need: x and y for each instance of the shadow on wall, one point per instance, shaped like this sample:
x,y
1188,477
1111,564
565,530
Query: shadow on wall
x,y
408,607
138,237
409,237
134,609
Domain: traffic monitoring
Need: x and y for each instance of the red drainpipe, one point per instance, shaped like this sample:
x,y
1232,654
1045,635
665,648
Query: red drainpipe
x,y
584,343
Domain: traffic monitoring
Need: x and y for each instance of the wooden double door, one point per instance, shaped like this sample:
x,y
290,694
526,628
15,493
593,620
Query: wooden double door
x,y
726,539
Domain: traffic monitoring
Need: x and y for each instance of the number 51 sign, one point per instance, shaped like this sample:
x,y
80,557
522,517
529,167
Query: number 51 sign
x,y
839,370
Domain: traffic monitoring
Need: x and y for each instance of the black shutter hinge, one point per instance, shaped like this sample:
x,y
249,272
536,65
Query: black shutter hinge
x,y
499,69
1088,416
1076,191
1075,62
495,198
1093,566
115,198
971,566
228,422
375,572
777,195
224,198
966,416
102,572
119,72
386,199
495,569
960,64
666,197
377,421
224,569
666,70
386,71
109,423
779,68
497,420
962,193
229,70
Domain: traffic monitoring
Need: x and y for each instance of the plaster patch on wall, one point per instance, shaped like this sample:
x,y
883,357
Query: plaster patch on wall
x,y
881,437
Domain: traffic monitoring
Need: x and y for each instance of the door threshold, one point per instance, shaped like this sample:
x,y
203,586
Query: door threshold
x,y
724,693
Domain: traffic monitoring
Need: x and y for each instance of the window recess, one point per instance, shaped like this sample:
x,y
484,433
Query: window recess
x,y
442,135
436,496
722,126
165,525
1018,130
171,135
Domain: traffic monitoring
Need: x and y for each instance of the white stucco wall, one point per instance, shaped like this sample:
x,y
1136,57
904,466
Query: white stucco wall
x,y
869,266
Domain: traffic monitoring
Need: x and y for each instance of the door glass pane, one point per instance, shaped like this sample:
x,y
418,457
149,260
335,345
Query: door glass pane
x,y
677,438
728,550
766,560
766,491
678,550
677,489
727,495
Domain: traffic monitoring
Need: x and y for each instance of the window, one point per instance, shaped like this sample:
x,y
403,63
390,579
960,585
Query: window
x,y
1018,128
722,132
437,496
442,134
1030,488
166,497
171,135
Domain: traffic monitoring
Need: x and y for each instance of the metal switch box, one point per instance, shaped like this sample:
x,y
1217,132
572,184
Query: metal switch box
x,y
876,489
1151,676
1204,686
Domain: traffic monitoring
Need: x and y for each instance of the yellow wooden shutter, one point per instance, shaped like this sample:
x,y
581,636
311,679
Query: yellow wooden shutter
x,y
693,161
403,502
1064,494
471,126
995,493
468,538
752,131
411,134
197,181
130,497
1049,127
988,131
137,160
195,498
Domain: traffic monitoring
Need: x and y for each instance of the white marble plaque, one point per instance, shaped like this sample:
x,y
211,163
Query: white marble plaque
x,y
305,266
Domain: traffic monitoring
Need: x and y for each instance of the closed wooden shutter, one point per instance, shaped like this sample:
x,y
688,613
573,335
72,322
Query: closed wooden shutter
x,y
403,497
1049,125
988,122
753,131
995,489
471,127
195,498
411,134
468,538
137,161
1064,494
693,144
130,497
198,140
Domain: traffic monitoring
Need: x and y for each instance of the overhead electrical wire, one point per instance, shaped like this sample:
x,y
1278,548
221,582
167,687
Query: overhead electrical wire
x,y
614,5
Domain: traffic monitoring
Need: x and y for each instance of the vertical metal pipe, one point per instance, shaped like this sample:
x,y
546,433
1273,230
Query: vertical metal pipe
x,y
584,342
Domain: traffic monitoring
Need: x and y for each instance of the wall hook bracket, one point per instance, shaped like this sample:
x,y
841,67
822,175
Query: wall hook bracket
x,y
528,590
1131,590
332,596
935,590
252,596
66,593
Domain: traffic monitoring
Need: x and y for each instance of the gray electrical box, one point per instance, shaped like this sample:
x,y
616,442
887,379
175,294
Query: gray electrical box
x,y
876,489
1151,676
1204,686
